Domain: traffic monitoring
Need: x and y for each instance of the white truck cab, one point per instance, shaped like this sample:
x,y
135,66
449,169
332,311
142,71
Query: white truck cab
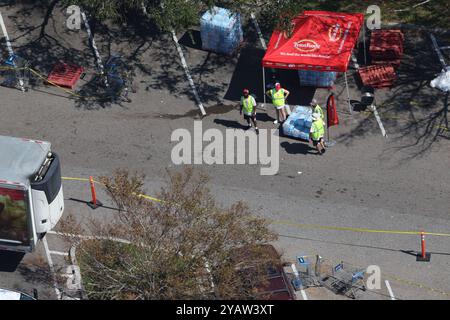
x,y
31,194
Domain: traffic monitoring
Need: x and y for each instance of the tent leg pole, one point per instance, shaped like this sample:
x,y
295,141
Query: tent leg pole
x,y
264,86
328,128
364,41
348,94
328,144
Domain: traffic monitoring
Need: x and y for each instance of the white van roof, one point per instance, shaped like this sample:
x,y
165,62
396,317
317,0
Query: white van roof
x,y
21,158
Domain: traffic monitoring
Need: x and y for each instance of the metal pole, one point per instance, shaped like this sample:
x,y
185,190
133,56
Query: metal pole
x,y
364,41
318,266
348,94
11,52
264,85
438,52
328,130
98,59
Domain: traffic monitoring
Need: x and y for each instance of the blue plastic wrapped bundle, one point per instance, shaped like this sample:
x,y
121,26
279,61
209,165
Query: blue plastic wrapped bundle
x,y
298,124
221,30
322,79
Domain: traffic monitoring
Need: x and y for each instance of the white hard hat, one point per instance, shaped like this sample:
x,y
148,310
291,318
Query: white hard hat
x,y
316,116
313,102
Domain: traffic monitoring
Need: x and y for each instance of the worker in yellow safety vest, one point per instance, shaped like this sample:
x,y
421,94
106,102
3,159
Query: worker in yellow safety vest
x,y
316,108
248,106
317,133
279,96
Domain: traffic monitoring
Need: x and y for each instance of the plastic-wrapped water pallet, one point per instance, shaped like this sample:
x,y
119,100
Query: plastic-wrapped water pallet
x,y
298,124
321,79
221,30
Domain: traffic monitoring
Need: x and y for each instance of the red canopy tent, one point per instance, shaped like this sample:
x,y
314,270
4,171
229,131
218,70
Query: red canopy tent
x,y
320,41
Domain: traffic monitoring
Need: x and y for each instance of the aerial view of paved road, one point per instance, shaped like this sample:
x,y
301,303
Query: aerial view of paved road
x,y
365,201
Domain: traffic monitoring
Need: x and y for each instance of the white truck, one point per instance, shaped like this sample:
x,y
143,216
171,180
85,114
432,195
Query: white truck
x,y
31,194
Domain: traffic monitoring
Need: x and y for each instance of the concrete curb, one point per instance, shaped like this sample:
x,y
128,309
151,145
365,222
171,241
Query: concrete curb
x,y
73,261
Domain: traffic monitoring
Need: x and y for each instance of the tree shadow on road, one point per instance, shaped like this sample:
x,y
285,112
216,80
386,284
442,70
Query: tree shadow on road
x,y
231,124
414,114
47,43
35,274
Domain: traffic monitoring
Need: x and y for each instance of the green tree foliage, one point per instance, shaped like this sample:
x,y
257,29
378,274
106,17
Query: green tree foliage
x,y
184,247
182,14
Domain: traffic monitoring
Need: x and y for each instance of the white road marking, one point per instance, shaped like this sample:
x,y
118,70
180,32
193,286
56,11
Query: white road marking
x,y
438,52
304,296
9,47
94,46
52,268
258,30
380,124
390,290
88,237
188,74
294,269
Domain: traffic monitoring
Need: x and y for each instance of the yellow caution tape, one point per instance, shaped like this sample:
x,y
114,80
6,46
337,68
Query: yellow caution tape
x,y
443,128
412,283
87,180
315,226
78,179
71,92
310,226
39,75
389,116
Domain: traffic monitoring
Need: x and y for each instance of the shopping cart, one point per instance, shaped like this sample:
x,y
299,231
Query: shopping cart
x,y
15,73
118,78
345,280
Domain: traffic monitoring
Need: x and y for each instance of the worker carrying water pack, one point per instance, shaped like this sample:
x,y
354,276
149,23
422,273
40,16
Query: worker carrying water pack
x,y
317,133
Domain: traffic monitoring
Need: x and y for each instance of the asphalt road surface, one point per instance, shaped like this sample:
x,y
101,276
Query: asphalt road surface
x,y
398,182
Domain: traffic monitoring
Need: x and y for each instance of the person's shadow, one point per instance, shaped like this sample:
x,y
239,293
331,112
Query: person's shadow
x,y
297,148
264,117
230,124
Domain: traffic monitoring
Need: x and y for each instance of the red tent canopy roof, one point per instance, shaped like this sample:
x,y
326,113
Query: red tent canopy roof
x,y
321,41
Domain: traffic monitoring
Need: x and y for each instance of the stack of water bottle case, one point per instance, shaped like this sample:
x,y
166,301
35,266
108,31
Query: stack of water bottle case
x,y
298,125
319,79
221,30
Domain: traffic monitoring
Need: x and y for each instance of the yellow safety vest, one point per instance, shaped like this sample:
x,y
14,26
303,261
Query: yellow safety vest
x,y
318,109
278,99
319,130
247,105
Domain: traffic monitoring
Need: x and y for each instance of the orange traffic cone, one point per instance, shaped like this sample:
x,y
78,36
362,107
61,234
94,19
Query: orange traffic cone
x,y
423,255
94,203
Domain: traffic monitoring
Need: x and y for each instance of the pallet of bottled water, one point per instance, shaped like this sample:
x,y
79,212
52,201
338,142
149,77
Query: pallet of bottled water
x,y
221,30
321,79
298,124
